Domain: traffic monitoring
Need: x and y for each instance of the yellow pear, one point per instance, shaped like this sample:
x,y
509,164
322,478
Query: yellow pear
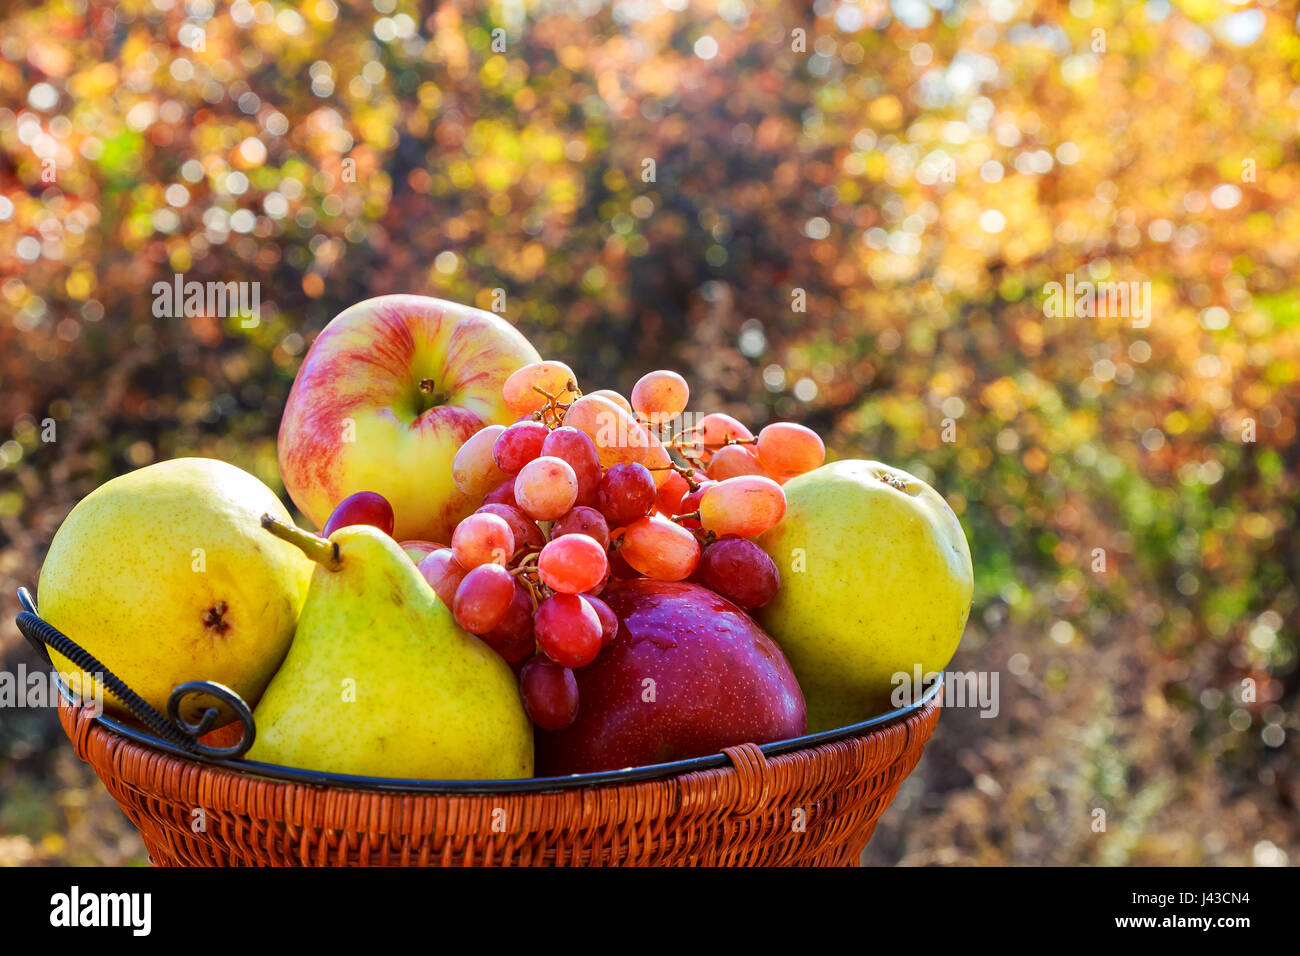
x,y
381,681
165,575
876,581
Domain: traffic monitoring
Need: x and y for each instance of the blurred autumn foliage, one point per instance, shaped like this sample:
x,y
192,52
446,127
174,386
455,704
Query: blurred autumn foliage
x,y
841,213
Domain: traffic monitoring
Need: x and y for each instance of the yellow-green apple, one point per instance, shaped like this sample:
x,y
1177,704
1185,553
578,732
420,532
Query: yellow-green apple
x,y
388,392
876,579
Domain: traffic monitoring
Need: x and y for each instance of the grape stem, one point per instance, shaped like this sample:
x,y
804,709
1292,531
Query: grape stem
x,y
685,471
552,413
526,572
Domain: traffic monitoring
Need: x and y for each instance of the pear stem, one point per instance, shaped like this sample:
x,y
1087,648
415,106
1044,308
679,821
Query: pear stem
x,y
321,550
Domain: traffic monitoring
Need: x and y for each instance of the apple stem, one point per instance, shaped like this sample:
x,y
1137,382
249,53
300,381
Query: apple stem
x,y
321,550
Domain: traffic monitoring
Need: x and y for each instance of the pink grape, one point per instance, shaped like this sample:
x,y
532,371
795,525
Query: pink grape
x,y
614,397
786,450
580,452
568,630
365,507
483,598
608,620
482,539
513,637
518,445
658,462
474,470
443,573
546,488
627,492
520,395
549,693
743,506
417,551
713,430
618,436
659,548
661,395
732,461
523,528
740,571
582,520
502,494
572,564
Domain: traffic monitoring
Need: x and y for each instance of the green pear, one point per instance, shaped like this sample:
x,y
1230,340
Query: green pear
x,y
166,576
381,681
876,579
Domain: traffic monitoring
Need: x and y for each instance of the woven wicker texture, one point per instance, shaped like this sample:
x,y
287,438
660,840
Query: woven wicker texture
x,y
813,807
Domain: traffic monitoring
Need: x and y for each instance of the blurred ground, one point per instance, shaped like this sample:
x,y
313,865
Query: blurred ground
x,y
842,213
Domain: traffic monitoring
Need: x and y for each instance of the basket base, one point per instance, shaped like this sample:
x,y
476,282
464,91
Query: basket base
x,y
811,807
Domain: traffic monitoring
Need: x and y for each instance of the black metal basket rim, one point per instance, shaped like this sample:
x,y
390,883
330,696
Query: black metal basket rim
x,y
522,785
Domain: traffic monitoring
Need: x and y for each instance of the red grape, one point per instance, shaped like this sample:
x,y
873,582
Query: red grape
x,y
549,693
627,492
443,574
568,630
513,637
518,445
582,520
671,493
740,571
483,598
525,530
572,564
619,568
482,539
608,620
365,507
546,488
691,503
580,452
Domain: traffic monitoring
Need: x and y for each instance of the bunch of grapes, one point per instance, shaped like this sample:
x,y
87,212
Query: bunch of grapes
x,y
583,488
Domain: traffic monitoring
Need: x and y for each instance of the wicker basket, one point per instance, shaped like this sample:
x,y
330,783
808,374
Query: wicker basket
x,y
816,805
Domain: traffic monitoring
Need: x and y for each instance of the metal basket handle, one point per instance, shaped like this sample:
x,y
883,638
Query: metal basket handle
x,y
172,728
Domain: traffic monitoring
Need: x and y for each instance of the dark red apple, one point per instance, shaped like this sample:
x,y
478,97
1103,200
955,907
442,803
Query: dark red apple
x,y
688,674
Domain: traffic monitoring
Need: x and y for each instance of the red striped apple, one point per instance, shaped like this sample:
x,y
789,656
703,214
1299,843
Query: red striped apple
x,y
388,392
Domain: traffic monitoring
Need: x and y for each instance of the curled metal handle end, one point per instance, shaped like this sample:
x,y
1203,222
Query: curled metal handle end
x,y
172,728
209,717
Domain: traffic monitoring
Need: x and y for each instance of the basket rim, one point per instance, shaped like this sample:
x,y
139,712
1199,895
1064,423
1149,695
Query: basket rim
x,y
320,778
